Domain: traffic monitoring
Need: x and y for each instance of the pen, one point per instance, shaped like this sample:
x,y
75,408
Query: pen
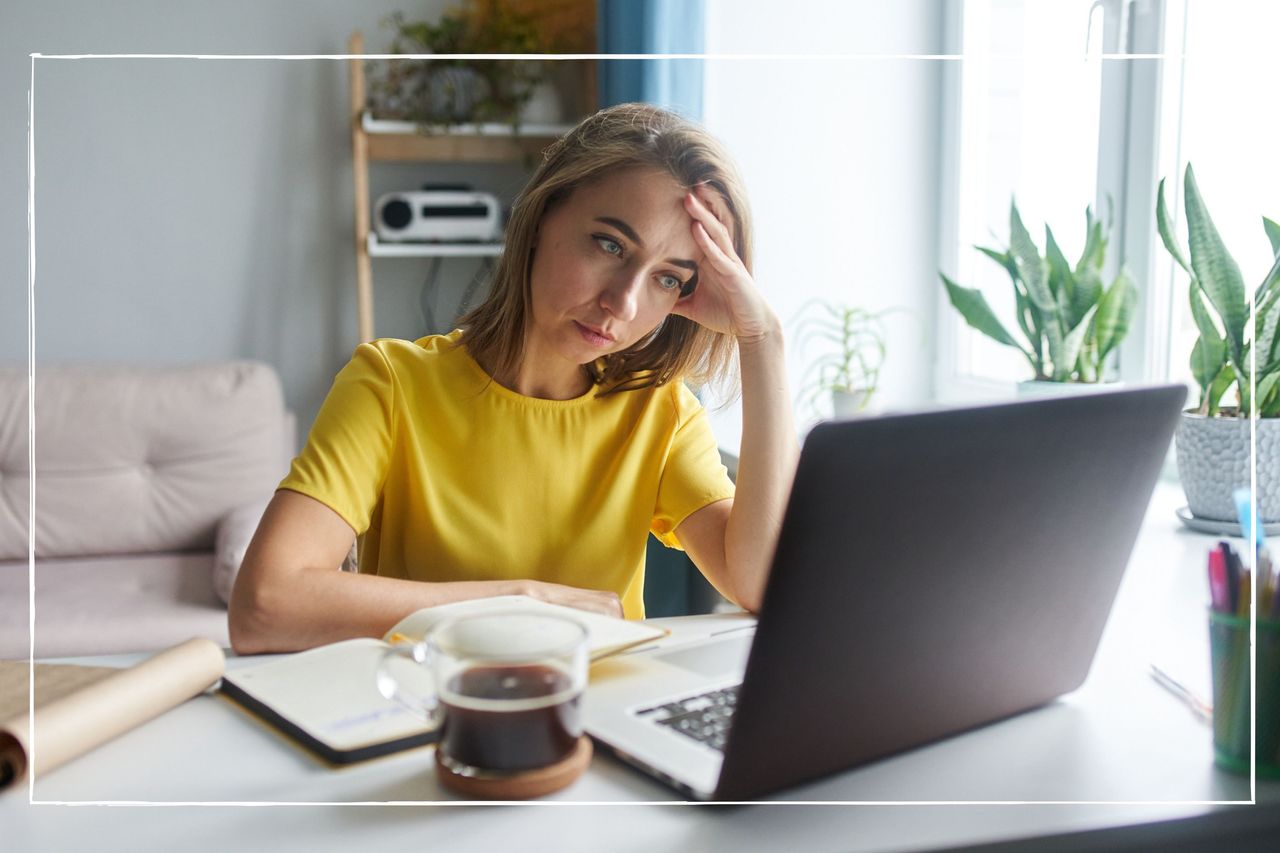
x,y
1202,709
1233,577
1218,582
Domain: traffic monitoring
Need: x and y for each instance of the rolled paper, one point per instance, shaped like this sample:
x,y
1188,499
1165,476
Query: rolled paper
x,y
68,727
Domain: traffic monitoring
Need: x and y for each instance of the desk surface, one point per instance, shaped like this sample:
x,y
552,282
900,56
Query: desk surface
x,y
1120,750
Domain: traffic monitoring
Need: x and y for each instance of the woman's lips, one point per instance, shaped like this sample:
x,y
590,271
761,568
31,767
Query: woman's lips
x,y
593,337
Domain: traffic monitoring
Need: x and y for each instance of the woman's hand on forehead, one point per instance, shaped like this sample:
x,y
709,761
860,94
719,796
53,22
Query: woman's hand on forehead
x,y
726,299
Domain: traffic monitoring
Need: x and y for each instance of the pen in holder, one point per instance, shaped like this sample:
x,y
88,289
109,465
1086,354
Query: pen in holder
x,y
1229,646
1235,590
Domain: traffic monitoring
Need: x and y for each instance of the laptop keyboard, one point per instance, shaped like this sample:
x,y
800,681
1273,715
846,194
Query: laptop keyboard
x,y
704,717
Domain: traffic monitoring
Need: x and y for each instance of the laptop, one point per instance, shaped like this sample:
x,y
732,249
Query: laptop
x,y
935,572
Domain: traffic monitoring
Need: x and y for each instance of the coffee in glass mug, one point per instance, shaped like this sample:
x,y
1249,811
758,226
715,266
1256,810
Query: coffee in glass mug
x,y
504,688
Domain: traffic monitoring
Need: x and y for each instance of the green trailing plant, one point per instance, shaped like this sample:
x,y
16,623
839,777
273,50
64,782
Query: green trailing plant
x,y
1070,322
853,340
1238,346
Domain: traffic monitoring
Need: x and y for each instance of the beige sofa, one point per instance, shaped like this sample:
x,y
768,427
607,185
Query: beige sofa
x,y
149,483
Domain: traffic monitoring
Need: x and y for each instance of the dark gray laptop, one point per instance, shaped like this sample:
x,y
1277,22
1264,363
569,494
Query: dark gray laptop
x,y
935,572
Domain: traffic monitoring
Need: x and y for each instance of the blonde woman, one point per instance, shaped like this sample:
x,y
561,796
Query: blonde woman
x,y
534,449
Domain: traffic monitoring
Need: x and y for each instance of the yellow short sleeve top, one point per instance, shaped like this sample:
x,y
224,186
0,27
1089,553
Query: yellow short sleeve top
x,y
448,476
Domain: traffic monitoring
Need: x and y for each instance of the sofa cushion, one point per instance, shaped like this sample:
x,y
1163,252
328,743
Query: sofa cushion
x,y
235,532
134,460
111,605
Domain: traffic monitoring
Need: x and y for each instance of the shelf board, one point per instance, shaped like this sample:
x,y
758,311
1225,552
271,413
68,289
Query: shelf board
x,y
403,141
379,249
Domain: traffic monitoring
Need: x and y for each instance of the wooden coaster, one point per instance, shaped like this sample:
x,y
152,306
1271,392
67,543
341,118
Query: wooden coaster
x,y
523,785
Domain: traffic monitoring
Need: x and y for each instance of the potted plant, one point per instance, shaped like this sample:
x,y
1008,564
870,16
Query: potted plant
x,y
1235,362
1070,322
452,91
848,371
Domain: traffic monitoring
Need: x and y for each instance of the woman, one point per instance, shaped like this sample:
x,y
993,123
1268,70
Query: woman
x,y
533,450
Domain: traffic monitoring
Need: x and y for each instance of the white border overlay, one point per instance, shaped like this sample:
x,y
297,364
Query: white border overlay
x,y
31,275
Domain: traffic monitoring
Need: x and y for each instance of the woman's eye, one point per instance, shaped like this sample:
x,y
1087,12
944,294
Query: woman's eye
x,y
613,247
669,282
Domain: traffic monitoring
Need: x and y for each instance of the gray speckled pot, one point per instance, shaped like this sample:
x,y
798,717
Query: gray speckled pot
x,y
1213,461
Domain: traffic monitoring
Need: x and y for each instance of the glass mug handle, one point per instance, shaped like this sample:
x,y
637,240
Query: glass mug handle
x,y
418,696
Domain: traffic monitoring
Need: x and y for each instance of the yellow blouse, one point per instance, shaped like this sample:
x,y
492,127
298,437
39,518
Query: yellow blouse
x,y
448,476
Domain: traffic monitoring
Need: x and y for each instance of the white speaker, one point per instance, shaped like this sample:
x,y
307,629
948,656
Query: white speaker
x,y
446,216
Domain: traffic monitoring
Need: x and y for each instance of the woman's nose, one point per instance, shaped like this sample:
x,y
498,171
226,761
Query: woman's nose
x,y
621,296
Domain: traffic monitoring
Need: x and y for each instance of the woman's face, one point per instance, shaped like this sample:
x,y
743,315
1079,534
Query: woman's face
x,y
608,267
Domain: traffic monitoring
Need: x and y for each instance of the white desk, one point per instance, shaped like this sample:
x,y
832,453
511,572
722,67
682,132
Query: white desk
x,y
1119,738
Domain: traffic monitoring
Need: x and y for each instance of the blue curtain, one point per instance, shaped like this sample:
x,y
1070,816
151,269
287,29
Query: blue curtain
x,y
673,586
652,26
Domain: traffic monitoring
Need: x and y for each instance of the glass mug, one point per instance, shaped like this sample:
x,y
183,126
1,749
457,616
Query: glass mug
x,y
505,689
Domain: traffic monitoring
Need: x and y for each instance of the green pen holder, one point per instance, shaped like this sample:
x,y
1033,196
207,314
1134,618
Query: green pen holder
x,y
1229,647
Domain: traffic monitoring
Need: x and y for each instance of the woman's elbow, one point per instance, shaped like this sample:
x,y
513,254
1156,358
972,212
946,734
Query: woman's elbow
x,y
250,615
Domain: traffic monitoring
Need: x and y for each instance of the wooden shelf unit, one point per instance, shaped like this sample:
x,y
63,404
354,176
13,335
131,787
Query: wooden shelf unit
x,y
465,144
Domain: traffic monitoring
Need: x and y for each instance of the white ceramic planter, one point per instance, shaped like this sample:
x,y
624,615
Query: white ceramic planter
x,y
1213,461
849,404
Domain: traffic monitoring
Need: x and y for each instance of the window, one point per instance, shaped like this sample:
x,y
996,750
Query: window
x,y
1216,117
1029,96
1039,112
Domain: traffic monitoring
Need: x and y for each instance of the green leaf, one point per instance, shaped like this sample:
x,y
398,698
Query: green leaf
x,y
1064,363
1115,312
1095,244
1212,401
973,306
1200,313
1273,234
1208,357
1216,270
1267,342
1269,402
1001,258
1031,268
1062,283
1088,292
1032,271
1166,231
1270,283
1029,321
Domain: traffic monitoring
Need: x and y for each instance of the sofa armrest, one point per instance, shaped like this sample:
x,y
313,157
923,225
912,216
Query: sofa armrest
x,y
231,540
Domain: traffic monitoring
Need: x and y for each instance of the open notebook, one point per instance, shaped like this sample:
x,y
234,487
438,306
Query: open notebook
x,y
327,698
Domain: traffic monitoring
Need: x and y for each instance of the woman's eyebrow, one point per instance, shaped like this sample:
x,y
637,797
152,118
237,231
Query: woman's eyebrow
x,y
630,234
627,230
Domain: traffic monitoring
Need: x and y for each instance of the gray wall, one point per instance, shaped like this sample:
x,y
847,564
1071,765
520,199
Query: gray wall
x,y
191,210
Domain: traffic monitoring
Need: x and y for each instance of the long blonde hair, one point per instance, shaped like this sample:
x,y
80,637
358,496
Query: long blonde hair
x,y
616,138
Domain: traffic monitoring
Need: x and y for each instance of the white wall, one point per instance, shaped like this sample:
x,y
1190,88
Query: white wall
x,y
841,158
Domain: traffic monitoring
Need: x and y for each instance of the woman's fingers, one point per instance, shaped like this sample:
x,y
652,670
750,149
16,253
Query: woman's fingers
x,y
715,254
703,211
593,600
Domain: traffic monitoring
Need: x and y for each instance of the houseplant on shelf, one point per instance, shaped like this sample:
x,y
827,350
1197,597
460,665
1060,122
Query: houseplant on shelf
x,y
848,371
453,91
1070,321
1238,350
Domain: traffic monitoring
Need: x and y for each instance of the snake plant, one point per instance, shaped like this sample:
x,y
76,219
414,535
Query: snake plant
x,y
1070,321
1238,344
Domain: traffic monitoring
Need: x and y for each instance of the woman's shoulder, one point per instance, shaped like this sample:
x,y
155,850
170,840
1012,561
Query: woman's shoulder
x,y
401,354
671,400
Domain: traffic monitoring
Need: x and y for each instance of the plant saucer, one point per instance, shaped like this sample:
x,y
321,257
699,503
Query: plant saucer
x,y
1220,528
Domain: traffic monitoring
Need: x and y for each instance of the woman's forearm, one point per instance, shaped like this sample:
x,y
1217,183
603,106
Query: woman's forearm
x,y
766,466
311,607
